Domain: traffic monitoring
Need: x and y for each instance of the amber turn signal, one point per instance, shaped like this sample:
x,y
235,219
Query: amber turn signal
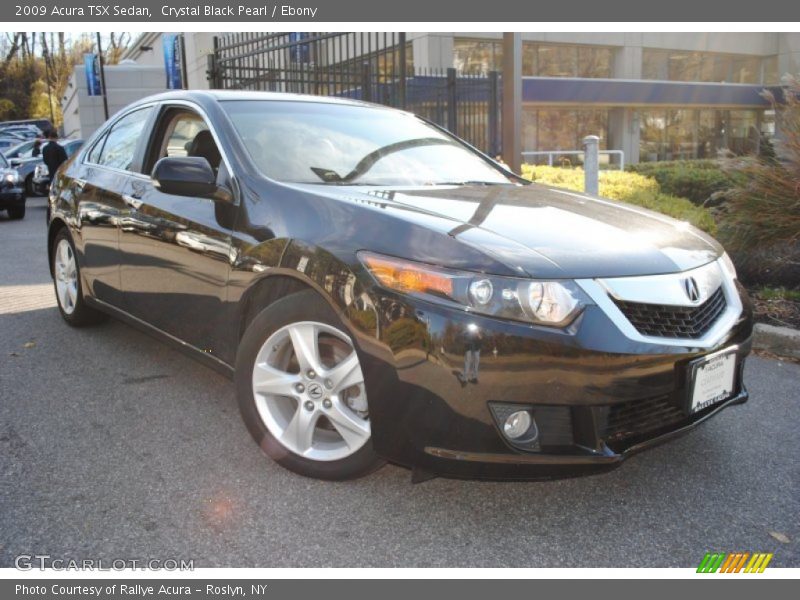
x,y
405,276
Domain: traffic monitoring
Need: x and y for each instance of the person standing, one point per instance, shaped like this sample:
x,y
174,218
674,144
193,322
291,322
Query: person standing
x,y
53,153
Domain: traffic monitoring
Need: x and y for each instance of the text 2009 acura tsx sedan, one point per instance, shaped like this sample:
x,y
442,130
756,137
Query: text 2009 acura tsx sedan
x,y
381,291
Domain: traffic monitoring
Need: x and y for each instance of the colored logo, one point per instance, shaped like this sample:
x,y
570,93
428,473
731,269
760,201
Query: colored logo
x,y
736,562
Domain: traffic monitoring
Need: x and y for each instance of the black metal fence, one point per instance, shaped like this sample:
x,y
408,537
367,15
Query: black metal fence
x,y
376,67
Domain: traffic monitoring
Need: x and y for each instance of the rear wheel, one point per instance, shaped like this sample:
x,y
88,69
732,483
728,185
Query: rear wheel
x,y
17,212
301,390
67,281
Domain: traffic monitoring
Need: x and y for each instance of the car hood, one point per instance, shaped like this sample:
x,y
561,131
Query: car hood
x,y
547,232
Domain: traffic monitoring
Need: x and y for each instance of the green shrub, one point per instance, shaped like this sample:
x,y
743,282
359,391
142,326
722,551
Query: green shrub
x,y
626,187
646,168
696,180
677,208
778,293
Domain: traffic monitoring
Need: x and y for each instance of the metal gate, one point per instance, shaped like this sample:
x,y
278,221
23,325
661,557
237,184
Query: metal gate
x,y
376,67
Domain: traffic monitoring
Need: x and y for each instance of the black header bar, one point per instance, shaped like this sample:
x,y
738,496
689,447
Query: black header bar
x,y
388,11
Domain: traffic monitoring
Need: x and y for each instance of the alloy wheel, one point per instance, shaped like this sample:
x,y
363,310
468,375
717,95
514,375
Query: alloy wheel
x,y
66,274
309,391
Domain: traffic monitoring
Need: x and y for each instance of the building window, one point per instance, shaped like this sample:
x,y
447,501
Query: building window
x,y
542,60
477,57
746,69
561,129
679,134
679,65
556,61
594,62
770,67
743,131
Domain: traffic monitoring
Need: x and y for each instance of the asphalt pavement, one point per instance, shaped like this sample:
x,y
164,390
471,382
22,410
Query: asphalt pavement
x,y
115,446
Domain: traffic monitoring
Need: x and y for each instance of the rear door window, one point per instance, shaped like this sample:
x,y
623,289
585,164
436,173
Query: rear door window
x,y
121,142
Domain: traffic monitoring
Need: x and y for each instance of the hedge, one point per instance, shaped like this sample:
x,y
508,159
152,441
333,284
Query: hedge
x,y
632,188
696,180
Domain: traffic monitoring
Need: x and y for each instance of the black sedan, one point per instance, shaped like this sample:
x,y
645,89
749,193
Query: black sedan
x,y
12,194
380,291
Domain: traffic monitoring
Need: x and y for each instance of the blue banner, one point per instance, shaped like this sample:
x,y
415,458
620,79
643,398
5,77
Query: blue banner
x,y
172,61
91,66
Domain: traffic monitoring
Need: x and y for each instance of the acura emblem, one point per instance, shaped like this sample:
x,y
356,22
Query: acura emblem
x,y
315,391
691,289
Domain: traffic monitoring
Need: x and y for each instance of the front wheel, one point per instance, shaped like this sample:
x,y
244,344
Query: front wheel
x,y
301,390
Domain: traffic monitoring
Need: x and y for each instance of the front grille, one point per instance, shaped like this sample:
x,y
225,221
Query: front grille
x,y
638,417
662,320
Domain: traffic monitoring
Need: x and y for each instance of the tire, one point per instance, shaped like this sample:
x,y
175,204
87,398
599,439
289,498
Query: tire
x,y
68,285
277,395
16,212
29,191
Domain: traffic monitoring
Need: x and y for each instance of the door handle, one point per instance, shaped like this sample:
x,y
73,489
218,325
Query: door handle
x,y
132,202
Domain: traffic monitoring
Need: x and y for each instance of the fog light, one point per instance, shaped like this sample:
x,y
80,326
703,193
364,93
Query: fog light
x,y
517,424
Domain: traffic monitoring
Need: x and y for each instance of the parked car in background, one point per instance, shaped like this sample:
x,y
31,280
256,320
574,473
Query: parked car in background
x,y
22,149
23,132
41,125
20,157
40,179
6,143
381,291
12,194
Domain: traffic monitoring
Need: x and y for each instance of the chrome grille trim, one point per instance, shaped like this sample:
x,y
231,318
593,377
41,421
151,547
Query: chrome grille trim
x,y
667,290
664,320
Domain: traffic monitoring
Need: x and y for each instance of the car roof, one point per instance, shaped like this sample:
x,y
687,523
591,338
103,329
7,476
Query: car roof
x,y
203,96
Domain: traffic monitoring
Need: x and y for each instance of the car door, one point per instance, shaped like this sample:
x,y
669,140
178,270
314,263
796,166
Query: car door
x,y
175,249
98,188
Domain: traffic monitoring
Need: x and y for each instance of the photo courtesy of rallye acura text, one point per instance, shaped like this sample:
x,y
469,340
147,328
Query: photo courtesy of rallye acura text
x,y
380,291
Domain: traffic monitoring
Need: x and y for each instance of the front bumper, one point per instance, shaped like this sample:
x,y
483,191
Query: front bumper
x,y
41,185
11,196
548,466
596,395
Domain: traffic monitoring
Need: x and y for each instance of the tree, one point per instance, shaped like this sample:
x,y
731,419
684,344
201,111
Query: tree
x,y
35,69
116,44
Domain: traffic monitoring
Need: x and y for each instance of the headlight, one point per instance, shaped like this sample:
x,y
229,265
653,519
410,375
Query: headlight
x,y
11,177
728,266
552,303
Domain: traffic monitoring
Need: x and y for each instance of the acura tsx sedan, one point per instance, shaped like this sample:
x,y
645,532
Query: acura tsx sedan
x,y
381,291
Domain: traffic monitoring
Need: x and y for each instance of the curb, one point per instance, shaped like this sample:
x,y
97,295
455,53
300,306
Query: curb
x,y
783,341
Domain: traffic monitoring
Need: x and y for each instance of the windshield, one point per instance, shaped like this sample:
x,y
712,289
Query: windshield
x,y
340,144
22,150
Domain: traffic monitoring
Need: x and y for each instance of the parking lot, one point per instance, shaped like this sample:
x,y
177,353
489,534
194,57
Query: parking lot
x,y
115,446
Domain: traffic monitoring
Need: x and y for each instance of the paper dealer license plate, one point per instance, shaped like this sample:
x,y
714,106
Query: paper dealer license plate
x,y
713,381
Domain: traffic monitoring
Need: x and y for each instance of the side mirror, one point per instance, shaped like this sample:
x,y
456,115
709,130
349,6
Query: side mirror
x,y
188,176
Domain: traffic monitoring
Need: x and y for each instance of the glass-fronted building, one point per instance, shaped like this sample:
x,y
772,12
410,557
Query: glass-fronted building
x,y
655,96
